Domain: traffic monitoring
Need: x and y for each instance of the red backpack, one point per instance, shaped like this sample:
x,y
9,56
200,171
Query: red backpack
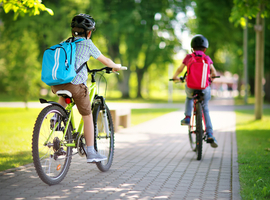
x,y
198,72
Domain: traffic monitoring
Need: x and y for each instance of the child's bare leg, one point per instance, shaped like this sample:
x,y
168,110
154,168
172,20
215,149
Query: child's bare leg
x,y
88,130
62,102
92,155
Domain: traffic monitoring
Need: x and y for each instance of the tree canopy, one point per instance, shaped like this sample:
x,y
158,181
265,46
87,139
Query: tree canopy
x,y
31,7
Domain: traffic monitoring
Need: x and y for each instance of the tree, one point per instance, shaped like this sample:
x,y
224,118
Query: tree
x,y
139,34
258,9
32,7
23,42
225,40
212,21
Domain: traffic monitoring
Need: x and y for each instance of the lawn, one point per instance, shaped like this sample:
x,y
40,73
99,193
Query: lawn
x,y
16,127
253,141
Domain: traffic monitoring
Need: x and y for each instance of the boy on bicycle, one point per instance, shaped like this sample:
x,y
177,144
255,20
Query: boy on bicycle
x,y
199,45
82,27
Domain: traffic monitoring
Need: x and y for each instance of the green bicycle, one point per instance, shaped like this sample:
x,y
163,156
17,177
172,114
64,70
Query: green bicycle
x,y
55,135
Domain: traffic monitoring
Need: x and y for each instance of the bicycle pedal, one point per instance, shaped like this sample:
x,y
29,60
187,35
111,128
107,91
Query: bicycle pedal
x,y
209,140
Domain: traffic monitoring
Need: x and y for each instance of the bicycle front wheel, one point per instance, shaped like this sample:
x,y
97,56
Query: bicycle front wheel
x,y
104,142
192,133
51,158
199,131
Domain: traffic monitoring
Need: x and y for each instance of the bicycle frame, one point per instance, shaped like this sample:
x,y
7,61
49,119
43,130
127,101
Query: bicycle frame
x,y
92,93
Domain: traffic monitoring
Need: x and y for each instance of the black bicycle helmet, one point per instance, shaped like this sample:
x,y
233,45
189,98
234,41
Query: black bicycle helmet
x,y
83,21
199,41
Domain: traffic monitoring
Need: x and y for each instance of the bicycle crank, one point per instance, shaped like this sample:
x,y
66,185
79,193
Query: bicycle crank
x,y
81,146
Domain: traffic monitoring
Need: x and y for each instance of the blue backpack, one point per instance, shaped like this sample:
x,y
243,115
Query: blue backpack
x,y
58,64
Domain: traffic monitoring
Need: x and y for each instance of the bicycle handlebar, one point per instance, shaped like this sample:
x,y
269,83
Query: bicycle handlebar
x,y
182,79
108,70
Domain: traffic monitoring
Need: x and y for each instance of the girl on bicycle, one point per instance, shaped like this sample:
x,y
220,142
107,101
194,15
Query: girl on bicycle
x,y
199,45
82,27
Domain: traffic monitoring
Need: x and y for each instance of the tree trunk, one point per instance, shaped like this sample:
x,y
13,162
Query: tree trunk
x,y
259,65
140,73
267,87
245,60
124,83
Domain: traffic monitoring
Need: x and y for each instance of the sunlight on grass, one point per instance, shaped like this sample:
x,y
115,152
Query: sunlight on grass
x,y
142,115
16,127
178,96
253,140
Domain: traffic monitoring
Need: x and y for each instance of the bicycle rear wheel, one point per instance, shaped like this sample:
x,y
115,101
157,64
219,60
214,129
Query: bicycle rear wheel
x,y
199,131
51,158
104,144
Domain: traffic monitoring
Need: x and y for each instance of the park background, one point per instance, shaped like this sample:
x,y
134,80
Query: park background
x,y
151,38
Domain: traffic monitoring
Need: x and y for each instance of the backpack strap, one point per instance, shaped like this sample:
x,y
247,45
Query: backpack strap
x,y
80,68
79,40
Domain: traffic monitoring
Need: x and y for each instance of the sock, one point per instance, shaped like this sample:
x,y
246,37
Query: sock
x,y
91,149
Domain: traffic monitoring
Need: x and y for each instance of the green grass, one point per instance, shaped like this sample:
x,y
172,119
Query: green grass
x,y
16,127
142,115
253,141
241,100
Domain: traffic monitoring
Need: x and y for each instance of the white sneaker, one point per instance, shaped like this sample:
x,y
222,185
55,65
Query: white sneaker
x,y
95,157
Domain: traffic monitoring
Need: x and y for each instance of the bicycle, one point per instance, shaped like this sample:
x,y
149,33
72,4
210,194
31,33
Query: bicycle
x,y
55,134
197,127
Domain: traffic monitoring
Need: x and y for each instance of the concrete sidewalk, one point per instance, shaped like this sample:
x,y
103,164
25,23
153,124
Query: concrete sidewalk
x,y
152,160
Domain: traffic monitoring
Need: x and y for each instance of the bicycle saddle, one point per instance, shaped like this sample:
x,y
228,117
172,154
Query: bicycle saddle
x,y
64,93
198,94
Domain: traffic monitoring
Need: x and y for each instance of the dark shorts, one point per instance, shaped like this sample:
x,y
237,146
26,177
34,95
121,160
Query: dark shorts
x,y
80,94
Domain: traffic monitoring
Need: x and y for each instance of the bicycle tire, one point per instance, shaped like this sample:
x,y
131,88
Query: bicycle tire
x,y
103,144
199,131
192,135
51,160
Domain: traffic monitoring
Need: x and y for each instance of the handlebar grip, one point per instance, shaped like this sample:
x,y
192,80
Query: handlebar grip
x,y
182,79
123,68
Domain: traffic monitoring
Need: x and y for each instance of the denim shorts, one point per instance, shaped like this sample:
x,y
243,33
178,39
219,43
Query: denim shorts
x,y
80,95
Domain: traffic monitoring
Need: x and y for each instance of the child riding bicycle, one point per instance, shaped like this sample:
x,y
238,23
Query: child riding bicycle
x,y
199,45
82,27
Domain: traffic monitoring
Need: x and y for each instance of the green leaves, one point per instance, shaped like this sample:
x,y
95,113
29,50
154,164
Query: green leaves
x,y
249,9
32,7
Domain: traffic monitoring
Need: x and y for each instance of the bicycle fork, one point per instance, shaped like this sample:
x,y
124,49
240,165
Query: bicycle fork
x,y
105,120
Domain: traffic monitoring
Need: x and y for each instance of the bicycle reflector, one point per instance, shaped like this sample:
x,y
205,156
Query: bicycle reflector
x,y
67,100
58,167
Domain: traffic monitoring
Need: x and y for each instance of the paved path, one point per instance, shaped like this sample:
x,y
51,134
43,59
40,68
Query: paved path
x,y
152,160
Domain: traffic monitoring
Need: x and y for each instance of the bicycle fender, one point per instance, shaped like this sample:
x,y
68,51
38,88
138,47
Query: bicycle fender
x,y
51,102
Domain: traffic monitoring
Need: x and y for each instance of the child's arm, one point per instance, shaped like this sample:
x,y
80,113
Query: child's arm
x,y
213,71
108,62
178,71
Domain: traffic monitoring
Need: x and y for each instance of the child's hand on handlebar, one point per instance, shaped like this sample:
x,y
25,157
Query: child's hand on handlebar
x,y
116,68
120,67
176,79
